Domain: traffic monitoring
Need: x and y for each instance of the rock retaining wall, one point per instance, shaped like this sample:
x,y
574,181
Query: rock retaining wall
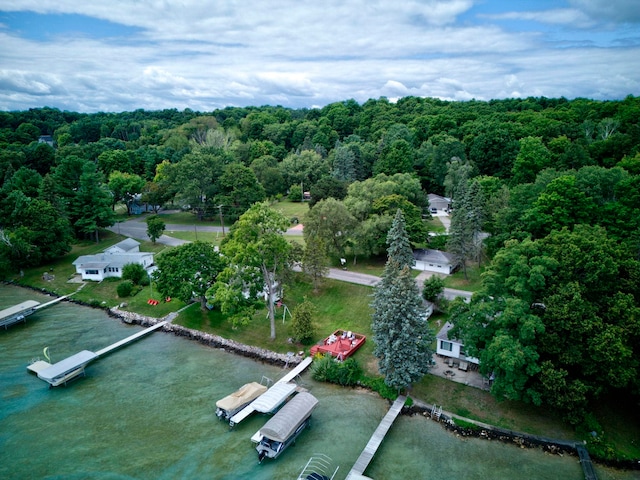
x,y
210,340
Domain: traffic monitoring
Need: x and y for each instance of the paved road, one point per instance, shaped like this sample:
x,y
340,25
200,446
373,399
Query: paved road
x,y
137,228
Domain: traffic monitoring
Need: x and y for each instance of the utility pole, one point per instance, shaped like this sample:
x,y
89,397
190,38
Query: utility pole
x,y
221,219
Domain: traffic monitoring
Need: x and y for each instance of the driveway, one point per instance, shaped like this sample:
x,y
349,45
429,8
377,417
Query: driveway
x,y
137,228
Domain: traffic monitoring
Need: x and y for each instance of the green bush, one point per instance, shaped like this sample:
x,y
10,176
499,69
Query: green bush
x,y
134,272
327,369
377,385
295,193
125,288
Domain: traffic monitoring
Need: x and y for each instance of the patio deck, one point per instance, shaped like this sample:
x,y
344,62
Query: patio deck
x,y
470,376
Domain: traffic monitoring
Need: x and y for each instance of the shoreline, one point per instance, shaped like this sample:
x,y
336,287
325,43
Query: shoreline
x,y
446,420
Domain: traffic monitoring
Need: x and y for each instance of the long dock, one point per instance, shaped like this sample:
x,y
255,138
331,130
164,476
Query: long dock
x,y
585,461
275,396
357,472
71,367
130,339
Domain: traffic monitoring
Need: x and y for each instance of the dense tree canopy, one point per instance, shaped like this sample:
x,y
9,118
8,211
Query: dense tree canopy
x,y
554,182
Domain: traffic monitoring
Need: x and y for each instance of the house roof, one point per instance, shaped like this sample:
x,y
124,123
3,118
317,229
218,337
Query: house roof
x,y
102,260
126,244
433,196
434,256
443,334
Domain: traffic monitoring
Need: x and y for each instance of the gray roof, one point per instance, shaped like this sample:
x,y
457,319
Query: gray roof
x,y
67,365
285,422
434,256
102,260
126,244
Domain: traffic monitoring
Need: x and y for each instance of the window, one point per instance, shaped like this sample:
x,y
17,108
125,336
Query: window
x,y
448,346
91,272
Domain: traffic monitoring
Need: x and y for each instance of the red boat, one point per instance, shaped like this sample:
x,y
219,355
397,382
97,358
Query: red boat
x,y
340,344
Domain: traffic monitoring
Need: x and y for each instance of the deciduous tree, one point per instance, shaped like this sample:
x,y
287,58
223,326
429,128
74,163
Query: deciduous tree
x,y
188,271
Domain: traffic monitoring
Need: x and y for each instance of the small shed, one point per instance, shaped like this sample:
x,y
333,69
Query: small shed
x,y
434,261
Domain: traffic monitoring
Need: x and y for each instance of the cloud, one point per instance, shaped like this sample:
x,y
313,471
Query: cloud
x,y
620,11
209,54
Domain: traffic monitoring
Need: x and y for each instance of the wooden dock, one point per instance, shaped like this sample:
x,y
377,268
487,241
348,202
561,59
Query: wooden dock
x,y
585,461
73,366
357,472
130,339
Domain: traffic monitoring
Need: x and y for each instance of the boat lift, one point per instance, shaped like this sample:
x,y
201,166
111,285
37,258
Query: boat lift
x,y
71,367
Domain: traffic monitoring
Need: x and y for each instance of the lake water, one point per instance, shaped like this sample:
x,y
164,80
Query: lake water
x,y
147,411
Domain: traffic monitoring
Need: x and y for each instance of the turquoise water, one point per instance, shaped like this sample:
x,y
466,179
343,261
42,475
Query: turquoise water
x,y
147,411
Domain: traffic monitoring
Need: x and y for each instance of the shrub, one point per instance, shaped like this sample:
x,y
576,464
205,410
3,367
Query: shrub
x,y
125,288
301,322
295,193
134,272
327,369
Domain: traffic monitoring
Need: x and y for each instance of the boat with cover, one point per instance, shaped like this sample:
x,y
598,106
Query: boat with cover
x,y
285,426
233,403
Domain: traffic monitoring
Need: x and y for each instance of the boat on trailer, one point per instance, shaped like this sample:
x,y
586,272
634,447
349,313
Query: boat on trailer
x,y
285,426
228,406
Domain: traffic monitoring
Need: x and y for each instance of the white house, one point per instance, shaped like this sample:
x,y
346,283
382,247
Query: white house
x,y
451,347
438,202
110,262
434,261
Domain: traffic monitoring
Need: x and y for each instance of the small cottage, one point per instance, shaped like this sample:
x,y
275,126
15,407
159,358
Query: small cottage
x,y
434,261
110,262
451,347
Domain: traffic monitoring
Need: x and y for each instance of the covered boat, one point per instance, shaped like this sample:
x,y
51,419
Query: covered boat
x,y
232,404
282,430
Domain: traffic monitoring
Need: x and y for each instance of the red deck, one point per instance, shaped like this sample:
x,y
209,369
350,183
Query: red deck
x,y
339,344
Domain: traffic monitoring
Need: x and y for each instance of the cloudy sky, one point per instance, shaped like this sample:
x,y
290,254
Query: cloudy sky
x,y
120,55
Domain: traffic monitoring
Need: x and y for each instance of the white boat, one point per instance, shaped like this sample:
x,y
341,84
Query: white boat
x,y
285,426
232,404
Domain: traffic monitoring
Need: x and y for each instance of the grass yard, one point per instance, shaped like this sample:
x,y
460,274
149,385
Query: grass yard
x,y
458,281
480,405
338,304
291,209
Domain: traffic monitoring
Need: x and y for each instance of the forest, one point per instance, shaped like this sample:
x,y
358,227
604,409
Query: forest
x,y
545,196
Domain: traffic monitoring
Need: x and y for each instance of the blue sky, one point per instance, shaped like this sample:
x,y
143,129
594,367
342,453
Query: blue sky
x,y
121,55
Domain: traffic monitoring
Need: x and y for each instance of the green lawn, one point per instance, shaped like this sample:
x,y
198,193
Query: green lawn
x,y
457,280
339,305
292,209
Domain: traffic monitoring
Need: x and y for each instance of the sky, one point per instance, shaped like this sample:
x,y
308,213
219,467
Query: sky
x,y
122,55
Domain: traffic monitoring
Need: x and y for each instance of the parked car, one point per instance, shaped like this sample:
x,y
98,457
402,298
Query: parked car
x,y
433,210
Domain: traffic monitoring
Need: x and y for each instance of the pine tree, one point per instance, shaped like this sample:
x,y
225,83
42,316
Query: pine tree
x,y
400,329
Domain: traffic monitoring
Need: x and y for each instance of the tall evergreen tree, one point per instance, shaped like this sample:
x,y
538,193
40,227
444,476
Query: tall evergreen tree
x,y
400,330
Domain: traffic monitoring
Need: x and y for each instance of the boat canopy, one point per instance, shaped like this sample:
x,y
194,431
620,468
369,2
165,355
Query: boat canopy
x,y
290,417
272,398
79,360
244,394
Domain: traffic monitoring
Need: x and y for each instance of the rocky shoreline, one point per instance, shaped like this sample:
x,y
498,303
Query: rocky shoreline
x,y
208,339
486,432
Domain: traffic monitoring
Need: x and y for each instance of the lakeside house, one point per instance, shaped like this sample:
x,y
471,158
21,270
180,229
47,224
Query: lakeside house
x,y
110,262
452,347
